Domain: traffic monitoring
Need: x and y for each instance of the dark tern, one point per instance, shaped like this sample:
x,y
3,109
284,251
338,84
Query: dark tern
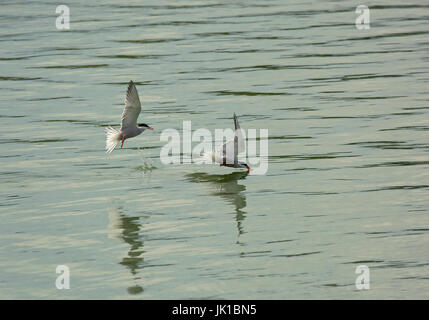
x,y
129,126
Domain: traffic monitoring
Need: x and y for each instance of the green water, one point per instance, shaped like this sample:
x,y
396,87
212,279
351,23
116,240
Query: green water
x,y
347,183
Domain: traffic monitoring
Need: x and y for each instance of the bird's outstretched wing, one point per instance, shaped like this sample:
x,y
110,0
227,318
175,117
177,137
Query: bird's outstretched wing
x,y
132,107
230,150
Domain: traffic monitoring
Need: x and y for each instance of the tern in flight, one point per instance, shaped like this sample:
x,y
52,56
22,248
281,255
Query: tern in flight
x,y
129,126
227,155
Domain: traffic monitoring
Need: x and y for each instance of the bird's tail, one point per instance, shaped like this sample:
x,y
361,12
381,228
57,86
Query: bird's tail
x,y
113,136
206,158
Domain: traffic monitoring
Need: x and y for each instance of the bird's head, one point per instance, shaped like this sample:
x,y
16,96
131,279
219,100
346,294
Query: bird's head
x,y
244,165
144,126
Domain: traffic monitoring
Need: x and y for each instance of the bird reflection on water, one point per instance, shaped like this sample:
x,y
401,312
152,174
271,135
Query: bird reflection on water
x,y
227,187
127,228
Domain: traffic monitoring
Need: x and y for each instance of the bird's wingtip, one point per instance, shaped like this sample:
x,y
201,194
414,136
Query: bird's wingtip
x,y
236,125
130,86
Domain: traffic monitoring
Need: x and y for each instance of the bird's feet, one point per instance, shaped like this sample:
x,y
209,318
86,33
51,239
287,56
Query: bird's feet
x,y
122,144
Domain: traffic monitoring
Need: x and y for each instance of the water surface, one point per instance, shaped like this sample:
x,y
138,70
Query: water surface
x,y
347,185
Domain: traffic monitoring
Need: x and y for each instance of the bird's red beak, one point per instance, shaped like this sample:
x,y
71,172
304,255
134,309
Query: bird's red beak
x,y
149,128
